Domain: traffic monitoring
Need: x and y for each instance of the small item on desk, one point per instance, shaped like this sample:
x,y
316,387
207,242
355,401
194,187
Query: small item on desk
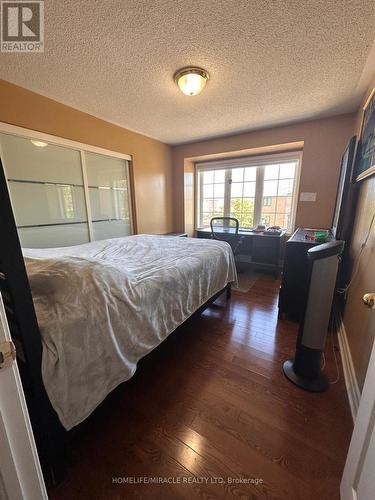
x,y
321,236
272,230
260,228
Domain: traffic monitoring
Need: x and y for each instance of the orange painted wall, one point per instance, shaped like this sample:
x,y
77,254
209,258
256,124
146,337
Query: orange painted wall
x,y
324,142
151,159
359,321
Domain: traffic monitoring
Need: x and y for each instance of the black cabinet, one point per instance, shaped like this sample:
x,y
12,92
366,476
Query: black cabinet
x,y
294,283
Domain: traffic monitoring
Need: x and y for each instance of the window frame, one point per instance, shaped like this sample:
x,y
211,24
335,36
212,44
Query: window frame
x,y
244,162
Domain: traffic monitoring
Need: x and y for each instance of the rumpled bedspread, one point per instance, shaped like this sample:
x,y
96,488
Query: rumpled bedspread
x,y
103,306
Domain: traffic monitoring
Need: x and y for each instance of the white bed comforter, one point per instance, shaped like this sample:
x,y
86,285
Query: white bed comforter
x,y
104,305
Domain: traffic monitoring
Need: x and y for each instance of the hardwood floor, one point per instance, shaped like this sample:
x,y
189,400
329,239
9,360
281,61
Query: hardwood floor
x,y
212,403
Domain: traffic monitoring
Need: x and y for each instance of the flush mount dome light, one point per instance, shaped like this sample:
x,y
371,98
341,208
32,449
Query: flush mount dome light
x,y
191,80
39,144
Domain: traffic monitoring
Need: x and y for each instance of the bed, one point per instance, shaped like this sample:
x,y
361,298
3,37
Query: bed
x,y
173,277
103,306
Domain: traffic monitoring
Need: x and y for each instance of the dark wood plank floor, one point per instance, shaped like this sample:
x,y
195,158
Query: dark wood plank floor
x,y
212,403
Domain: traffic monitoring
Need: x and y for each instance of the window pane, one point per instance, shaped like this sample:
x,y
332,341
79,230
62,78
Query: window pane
x,y
236,207
206,219
237,189
271,172
219,190
247,220
282,220
208,191
250,174
237,174
268,219
277,195
208,205
248,205
270,188
208,177
286,187
270,206
287,170
284,204
219,175
267,201
219,206
211,208
249,189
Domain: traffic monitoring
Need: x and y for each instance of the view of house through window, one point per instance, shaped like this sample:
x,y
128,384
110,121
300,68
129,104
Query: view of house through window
x,y
277,194
254,194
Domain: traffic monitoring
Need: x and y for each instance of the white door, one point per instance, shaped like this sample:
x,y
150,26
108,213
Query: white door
x,y
20,473
358,481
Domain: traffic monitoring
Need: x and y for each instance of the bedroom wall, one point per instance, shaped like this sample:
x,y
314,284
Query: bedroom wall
x,y
359,321
151,159
324,142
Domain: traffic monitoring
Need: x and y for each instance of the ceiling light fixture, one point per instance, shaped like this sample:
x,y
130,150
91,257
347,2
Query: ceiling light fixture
x,y
191,80
39,144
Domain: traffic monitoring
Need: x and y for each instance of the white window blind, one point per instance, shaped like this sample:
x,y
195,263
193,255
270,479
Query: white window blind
x,y
255,191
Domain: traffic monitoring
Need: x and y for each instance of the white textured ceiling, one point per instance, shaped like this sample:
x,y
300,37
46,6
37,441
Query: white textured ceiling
x,y
270,61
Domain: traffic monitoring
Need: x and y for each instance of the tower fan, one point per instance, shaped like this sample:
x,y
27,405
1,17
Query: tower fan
x,y
305,369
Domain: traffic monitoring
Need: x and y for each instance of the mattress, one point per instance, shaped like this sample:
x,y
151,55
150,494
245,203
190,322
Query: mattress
x,y
103,306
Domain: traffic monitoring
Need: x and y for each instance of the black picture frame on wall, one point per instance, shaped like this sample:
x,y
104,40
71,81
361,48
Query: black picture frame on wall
x,y
343,213
365,161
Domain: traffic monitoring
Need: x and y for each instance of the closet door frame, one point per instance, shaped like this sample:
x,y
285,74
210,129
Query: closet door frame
x,y
82,148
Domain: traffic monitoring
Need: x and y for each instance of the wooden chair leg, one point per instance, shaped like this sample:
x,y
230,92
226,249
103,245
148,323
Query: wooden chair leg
x,y
229,291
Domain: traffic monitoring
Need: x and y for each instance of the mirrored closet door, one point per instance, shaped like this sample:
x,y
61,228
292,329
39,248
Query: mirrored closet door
x,y
109,196
62,195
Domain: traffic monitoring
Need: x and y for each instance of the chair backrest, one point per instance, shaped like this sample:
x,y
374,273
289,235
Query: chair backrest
x,y
225,229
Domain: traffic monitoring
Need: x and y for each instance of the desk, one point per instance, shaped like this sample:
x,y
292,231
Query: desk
x,y
265,250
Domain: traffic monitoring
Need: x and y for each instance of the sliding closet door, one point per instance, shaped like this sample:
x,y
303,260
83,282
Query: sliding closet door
x,y
108,187
47,192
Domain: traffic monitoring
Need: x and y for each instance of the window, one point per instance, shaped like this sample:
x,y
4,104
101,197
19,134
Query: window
x,y
213,187
242,195
254,191
267,201
278,187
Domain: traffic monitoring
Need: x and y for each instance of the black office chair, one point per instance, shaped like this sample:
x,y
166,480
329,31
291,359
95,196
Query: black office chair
x,y
226,229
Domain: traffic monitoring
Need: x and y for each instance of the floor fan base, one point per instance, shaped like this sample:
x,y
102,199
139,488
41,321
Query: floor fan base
x,y
318,384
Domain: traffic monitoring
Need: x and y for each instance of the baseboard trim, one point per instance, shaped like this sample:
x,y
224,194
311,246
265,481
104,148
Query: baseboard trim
x,y
352,388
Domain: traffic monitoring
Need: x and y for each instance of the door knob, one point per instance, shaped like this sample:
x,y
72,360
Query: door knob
x,y
369,300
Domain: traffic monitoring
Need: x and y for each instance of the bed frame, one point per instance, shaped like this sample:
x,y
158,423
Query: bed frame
x,y
50,435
